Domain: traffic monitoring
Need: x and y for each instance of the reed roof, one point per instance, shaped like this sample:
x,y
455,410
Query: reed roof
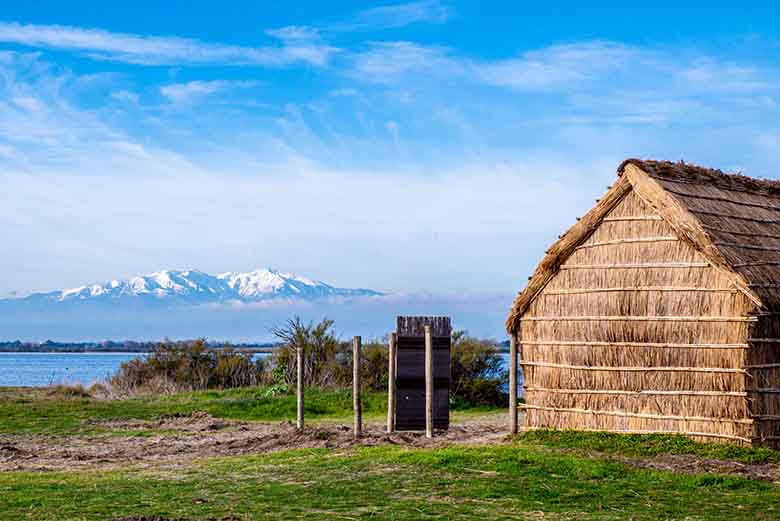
x,y
733,220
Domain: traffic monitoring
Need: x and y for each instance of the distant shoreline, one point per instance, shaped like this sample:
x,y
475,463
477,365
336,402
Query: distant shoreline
x,y
112,352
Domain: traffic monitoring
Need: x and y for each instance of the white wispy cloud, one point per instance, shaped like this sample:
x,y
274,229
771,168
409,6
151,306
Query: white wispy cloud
x,y
125,96
557,66
373,19
160,50
387,62
399,15
585,70
191,90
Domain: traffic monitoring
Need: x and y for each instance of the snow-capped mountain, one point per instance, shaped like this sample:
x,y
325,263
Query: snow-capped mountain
x,y
196,287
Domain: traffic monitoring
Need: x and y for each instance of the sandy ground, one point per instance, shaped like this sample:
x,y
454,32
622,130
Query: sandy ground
x,y
186,438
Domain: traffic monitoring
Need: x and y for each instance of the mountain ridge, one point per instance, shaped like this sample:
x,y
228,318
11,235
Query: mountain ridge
x,y
193,286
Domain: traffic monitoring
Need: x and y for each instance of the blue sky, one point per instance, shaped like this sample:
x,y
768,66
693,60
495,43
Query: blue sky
x,y
427,147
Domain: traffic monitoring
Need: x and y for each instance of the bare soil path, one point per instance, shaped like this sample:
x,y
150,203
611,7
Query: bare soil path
x,y
181,439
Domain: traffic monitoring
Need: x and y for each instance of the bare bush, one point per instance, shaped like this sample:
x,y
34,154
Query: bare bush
x,y
320,349
68,391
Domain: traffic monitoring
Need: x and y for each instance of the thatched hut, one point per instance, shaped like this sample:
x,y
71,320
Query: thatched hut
x,y
659,310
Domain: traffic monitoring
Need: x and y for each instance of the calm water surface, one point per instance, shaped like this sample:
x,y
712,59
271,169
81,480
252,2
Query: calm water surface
x,y
40,369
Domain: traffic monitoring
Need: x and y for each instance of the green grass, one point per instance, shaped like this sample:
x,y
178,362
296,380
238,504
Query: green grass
x,y
539,475
386,482
29,411
646,446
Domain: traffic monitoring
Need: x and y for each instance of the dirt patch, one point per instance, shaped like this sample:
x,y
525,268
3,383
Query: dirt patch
x,y
200,435
690,464
158,518
196,422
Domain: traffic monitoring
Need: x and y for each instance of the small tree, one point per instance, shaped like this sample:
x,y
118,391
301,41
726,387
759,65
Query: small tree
x,y
319,344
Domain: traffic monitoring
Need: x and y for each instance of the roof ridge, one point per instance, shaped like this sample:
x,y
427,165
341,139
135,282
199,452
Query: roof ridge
x,y
689,173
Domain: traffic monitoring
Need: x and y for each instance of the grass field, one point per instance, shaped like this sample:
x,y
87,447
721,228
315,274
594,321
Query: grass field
x,y
28,410
539,475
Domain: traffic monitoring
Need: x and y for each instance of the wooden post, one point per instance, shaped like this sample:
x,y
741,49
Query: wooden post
x,y
358,406
299,386
391,382
428,382
513,383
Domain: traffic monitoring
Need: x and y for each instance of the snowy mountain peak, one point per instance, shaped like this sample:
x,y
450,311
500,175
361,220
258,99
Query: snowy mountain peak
x,y
196,287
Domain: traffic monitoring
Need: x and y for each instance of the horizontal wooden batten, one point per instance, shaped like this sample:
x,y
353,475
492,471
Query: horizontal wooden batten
x,y
640,415
577,291
762,366
632,369
741,234
648,431
635,393
628,241
755,263
707,183
764,340
746,246
765,390
632,218
631,318
635,266
659,345
724,200
732,216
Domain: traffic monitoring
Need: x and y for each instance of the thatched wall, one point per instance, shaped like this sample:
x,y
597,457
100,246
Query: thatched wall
x,y
763,364
636,331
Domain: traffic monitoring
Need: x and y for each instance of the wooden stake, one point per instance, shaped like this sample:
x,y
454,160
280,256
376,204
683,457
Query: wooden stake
x,y
299,386
513,383
358,406
391,357
428,382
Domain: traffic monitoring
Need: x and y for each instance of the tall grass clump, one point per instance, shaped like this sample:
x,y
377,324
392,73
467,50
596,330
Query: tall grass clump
x,y
189,366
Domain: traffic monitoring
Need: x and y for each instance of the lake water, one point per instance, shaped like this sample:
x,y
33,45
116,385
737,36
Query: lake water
x,y
41,369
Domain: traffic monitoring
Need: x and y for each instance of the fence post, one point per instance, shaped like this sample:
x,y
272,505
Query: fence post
x,y
428,382
299,386
358,406
513,383
391,382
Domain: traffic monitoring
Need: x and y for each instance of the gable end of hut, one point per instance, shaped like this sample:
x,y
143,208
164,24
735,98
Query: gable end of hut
x,y
637,319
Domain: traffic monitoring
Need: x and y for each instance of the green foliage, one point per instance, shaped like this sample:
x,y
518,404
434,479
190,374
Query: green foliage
x,y
476,371
188,366
25,411
373,367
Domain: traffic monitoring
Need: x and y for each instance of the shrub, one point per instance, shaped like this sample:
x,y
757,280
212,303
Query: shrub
x,y
477,374
188,366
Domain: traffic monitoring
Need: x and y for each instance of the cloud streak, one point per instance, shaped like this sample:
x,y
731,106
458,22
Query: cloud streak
x,y
161,50
193,90
399,15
